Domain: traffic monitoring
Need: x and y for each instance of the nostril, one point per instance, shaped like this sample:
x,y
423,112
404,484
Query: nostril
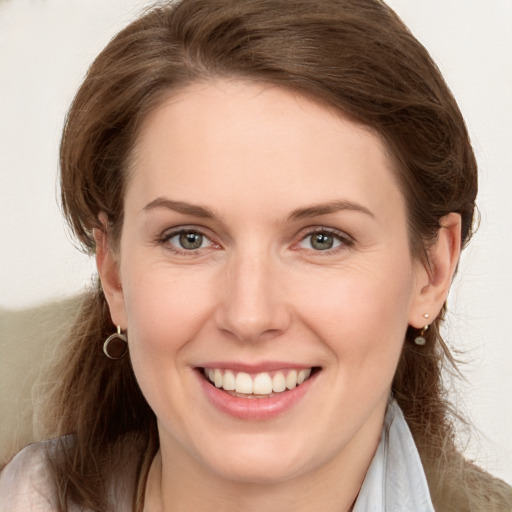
x,y
252,309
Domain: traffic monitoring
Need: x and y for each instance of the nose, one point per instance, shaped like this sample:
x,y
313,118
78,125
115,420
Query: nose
x,y
252,305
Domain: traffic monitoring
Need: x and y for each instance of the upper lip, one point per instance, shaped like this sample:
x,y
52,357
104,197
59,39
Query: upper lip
x,y
264,366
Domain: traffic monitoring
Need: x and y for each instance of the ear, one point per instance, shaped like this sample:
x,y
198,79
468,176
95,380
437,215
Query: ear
x,y
435,277
108,269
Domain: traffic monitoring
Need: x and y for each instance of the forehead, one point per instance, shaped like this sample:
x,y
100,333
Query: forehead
x,y
229,141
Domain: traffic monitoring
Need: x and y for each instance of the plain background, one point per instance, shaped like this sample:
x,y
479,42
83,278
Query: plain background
x,y
45,49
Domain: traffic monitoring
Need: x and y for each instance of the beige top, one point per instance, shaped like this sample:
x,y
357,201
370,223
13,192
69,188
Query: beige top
x,y
25,484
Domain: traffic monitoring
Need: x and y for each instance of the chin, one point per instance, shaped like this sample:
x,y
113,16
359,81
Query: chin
x,y
257,472
259,464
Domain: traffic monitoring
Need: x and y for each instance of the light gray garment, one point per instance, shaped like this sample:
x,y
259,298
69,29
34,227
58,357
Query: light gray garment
x,y
395,481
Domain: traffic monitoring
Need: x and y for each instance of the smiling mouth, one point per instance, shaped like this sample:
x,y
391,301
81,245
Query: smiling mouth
x,y
259,385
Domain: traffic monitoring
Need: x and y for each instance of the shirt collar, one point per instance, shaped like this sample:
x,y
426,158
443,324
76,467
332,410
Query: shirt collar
x,y
395,480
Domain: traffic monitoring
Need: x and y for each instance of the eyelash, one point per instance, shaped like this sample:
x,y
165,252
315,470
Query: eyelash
x,y
167,236
344,240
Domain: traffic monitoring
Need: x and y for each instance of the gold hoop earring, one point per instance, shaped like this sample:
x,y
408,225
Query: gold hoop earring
x,y
116,345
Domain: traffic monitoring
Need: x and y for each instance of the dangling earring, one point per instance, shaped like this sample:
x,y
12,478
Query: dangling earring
x,y
116,345
420,339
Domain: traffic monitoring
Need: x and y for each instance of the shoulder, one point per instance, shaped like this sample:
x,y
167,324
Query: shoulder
x,y
26,483
475,491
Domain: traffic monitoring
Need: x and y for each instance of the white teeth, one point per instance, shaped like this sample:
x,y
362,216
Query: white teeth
x,y
278,382
261,384
217,378
229,381
291,379
243,383
303,375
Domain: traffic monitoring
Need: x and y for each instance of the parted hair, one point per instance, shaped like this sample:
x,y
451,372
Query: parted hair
x,y
356,56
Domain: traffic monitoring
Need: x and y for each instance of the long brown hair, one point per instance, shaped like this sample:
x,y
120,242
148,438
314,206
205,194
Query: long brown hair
x,y
354,55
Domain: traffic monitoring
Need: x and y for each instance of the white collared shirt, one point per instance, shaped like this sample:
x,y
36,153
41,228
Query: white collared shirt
x,y
395,480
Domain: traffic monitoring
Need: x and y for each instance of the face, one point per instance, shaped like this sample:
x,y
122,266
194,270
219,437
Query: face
x,y
266,281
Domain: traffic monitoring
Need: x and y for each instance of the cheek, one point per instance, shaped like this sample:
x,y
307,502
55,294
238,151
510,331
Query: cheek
x,y
361,315
162,322
362,322
163,308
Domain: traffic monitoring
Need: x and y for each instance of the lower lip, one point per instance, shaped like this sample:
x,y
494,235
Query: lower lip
x,y
255,408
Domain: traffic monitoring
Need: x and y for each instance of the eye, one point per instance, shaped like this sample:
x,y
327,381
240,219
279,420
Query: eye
x,y
323,240
187,240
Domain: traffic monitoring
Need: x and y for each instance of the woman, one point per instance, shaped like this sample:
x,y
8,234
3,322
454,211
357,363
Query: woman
x,y
277,194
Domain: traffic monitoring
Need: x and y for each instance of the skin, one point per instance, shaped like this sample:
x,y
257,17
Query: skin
x,y
258,290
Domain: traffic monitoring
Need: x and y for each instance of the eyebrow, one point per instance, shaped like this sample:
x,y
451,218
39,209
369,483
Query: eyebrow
x,y
298,214
180,207
329,207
